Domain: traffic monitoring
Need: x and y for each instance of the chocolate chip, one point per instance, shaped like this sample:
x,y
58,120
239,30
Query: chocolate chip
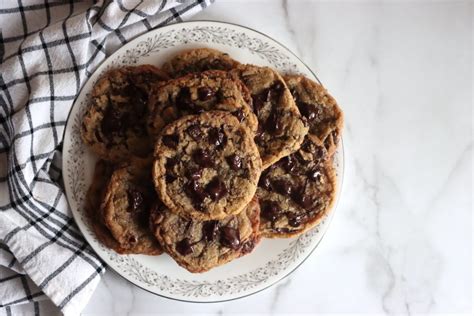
x,y
217,137
239,114
171,140
184,247
195,191
288,163
203,158
248,246
135,200
300,198
216,189
183,100
264,181
314,175
277,87
169,177
171,162
296,220
195,132
230,237
273,124
283,187
308,110
271,210
234,161
205,93
210,230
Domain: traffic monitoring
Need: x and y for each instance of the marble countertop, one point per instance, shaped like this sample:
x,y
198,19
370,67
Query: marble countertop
x,y
401,239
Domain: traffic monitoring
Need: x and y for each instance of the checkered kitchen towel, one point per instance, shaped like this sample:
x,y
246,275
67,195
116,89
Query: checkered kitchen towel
x,y
47,52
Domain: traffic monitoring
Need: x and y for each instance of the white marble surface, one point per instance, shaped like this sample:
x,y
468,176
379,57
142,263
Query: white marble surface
x,y
401,239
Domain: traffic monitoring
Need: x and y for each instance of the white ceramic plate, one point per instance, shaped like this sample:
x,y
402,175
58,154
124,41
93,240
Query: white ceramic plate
x,y
272,260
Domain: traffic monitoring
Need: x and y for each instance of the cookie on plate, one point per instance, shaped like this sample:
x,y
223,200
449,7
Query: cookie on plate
x,y
281,129
197,93
199,246
324,117
296,192
206,166
197,60
114,126
126,205
102,173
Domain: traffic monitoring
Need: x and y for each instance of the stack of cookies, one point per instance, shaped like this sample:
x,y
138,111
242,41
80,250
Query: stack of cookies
x,y
205,156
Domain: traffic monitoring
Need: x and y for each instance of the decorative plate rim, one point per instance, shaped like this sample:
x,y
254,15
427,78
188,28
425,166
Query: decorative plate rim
x,y
78,217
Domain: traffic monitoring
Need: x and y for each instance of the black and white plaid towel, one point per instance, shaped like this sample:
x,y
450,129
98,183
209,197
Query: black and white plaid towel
x,y
47,51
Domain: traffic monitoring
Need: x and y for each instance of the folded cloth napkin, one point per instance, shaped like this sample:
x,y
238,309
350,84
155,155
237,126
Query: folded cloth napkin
x,y
47,52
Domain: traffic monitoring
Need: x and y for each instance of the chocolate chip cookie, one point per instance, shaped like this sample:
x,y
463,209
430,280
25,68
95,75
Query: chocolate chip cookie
x,y
198,60
206,166
114,126
197,93
199,246
324,117
281,129
296,192
126,207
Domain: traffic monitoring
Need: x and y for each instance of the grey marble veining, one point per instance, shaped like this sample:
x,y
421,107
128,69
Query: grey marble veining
x,y
401,239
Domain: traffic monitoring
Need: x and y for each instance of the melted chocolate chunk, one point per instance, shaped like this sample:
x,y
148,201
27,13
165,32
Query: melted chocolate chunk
x,y
217,137
184,102
210,230
273,124
184,247
288,163
171,163
135,200
300,198
216,189
314,175
308,110
235,162
271,210
169,177
283,187
195,191
264,181
295,220
203,158
230,237
240,115
195,132
171,140
205,93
